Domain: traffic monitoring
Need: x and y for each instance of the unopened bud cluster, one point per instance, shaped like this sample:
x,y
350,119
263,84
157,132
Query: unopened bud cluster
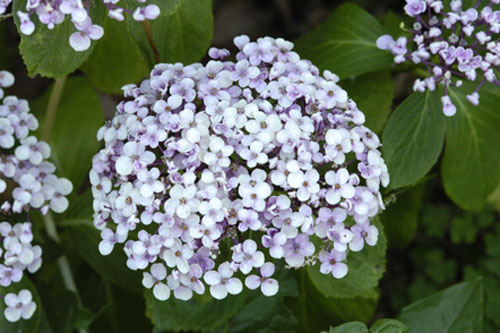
x,y
52,13
209,172
454,45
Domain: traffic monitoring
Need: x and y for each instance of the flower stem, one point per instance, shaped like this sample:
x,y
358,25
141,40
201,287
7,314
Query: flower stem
x,y
62,262
50,115
48,220
149,34
4,17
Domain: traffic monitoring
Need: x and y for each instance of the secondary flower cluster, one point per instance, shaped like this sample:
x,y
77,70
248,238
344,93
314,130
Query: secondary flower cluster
x,y
23,165
27,181
454,45
210,171
51,13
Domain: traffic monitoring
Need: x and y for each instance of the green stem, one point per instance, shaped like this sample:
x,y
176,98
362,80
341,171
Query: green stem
x,y
62,262
50,115
149,34
48,220
4,17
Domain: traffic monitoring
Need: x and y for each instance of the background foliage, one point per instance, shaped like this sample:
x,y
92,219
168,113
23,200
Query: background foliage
x,y
438,252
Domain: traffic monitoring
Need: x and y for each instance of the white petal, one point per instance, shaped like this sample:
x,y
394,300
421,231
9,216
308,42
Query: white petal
x,y
12,314
212,277
161,291
218,291
269,287
124,166
234,286
252,282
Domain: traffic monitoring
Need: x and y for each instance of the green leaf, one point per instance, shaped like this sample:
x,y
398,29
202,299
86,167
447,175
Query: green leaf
x,y
124,313
413,138
365,270
345,43
456,309
85,240
185,34
205,313
373,93
400,219
116,60
471,168
73,139
352,327
316,312
62,308
25,326
47,52
388,326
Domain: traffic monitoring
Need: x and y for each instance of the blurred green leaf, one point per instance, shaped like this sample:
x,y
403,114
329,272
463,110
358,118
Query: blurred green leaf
x,y
388,326
470,170
116,60
463,230
47,52
365,270
435,220
456,309
413,138
25,326
202,314
400,219
373,93
123,314
432,262
345,43
73,138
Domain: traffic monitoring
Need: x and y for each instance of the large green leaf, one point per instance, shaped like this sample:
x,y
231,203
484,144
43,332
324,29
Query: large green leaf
x,y
380,326
365,270
26,326
73,138
373,93
47,52
345,43
185,35
413,138
116,59
182,32
352,327
471,164
388,326
456,309
316,312
204,314
63,310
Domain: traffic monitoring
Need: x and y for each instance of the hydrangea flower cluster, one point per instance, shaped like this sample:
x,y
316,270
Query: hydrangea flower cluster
x,y
51,13
211,171
29,179
455,45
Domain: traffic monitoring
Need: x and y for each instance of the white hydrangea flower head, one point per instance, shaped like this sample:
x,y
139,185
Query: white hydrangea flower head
x,y
261,155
